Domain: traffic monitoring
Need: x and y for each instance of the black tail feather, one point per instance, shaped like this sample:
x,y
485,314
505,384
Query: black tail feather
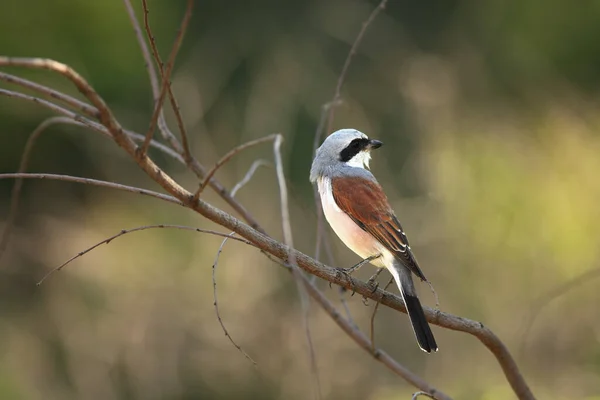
x,y
419,323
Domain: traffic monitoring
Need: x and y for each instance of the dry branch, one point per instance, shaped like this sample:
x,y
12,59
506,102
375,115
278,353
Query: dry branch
x,y
166,78
137,229
230,154
216,302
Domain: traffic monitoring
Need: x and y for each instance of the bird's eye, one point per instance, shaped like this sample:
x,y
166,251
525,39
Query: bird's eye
x,y
355,144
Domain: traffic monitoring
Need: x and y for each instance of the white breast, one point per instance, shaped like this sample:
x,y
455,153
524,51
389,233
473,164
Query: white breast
x,y
359,241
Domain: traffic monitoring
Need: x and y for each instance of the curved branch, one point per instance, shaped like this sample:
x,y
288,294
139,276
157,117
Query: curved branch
x,y
16,191
137,229
93,182
71,101
228,157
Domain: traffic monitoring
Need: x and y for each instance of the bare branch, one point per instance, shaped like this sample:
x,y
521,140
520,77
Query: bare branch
x,y
93,182
545,299
16,191
228,157
216,303
353,49
162,125
71,101
47,104
288,240
249,175
144,47
374,313
152,40
126,231
166,83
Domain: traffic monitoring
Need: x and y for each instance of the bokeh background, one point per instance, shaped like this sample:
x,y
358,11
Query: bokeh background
x,y
489,111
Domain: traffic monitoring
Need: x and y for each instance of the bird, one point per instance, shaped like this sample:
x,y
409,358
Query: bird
x,y
359,212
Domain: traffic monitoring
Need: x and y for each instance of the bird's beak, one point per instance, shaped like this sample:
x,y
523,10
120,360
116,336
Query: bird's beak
x,y
374,144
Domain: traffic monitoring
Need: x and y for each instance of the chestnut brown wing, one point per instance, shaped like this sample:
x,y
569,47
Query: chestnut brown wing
x,y
365,202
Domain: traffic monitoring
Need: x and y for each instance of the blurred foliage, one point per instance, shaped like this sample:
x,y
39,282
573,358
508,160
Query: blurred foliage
x,y
489,112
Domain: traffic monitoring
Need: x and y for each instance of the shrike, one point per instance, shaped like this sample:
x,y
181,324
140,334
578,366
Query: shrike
x,y
359,212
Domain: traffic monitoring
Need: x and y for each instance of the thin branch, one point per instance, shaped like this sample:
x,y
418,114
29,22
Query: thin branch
x,y
417,394
216,303
162,124
249,175
93,182
152,40
126,231
16,191
47,104
353,49
342,291
296,273
71,101
545,299
228,157
374,313
166,77
144,47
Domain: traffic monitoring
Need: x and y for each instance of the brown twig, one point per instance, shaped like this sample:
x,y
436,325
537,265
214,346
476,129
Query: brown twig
x,y
351,54
16,190
374,313
551,295
144,47
149,64
45,103
228,157
165,73
77,119
166,76
126,231
216,302
68,100
255,165
291,260
93,182
152,40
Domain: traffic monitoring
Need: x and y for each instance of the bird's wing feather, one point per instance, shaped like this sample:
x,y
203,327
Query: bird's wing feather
x,y
366,204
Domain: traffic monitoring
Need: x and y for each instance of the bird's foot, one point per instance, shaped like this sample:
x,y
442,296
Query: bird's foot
x,y
373,280
344,271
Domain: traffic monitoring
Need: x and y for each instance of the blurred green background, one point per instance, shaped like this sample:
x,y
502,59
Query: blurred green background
x,y
489,114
